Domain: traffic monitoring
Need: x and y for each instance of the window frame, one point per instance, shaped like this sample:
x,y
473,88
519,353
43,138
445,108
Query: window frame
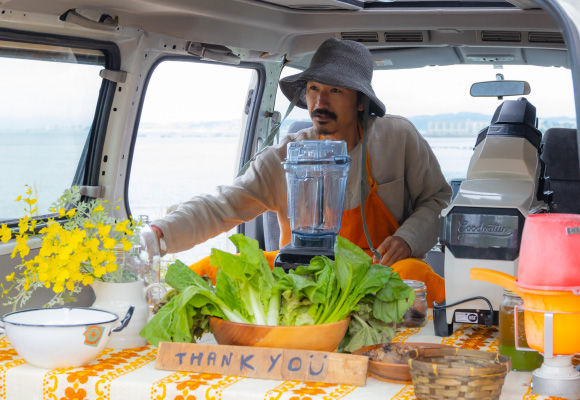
x,y
249,130
88,169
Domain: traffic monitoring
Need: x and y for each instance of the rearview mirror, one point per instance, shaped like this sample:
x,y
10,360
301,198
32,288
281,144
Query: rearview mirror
x,y
499,88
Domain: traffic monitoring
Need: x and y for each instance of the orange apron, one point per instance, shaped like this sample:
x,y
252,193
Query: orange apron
x,y
381,224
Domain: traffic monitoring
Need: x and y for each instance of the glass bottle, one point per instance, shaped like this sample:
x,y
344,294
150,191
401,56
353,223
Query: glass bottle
x,y
416,315
150,259
148,252
521,360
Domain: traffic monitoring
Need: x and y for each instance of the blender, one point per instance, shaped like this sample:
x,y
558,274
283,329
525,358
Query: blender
x,y
549,284
316,176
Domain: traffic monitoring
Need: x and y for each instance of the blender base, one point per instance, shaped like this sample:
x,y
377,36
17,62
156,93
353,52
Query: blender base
x,y
291,257
557,377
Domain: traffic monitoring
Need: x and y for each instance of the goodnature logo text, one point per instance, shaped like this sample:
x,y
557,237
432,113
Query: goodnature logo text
x,y
485,229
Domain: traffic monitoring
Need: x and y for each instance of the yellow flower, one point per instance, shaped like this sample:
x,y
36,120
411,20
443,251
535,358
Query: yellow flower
x,y
18,198
126,245
103,229
23,225
5,233
21,246
109,243
121,226
70,254
118,208
100,271
111,267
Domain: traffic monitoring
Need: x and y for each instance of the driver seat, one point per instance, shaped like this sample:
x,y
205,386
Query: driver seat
x,y
562,173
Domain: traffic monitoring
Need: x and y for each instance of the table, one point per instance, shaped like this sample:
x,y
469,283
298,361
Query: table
x,y
131,374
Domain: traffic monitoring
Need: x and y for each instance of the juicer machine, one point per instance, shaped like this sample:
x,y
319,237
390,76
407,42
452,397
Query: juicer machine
x,y
482,227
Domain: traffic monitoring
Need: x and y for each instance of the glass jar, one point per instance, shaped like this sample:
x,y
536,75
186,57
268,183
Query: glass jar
x,y
521,360
416,316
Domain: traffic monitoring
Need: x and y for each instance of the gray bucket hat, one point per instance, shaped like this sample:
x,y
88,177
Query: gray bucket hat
x,y
341,63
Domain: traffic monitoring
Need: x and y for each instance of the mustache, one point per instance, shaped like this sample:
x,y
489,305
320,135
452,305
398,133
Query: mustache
x,y
323,111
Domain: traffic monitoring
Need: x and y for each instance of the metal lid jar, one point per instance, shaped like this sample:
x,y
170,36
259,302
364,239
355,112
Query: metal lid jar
x,y
416,315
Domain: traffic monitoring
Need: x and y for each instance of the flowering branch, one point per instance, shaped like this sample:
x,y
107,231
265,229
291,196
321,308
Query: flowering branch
x,y
74,253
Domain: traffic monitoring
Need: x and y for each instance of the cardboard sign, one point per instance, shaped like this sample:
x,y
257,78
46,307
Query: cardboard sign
x,y
264,363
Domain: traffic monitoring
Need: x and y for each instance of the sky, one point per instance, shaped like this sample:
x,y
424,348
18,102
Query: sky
x,y
440,90
209,92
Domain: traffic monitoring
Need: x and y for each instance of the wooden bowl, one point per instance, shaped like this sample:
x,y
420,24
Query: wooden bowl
x,y
387,361
325,337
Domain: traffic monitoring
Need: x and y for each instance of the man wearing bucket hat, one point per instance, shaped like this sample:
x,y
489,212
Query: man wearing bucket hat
x,y
401,195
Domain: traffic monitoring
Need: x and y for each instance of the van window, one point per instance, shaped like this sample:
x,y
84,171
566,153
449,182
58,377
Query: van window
x,y
437,101
187,143
48,98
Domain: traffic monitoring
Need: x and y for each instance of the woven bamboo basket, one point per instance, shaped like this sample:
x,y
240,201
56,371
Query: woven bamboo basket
x,y
454,373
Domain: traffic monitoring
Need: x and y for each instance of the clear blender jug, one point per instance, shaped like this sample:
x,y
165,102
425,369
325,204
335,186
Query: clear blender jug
x,y
316,175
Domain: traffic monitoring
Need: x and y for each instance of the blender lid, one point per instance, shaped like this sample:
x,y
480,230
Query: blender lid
x,y
317,152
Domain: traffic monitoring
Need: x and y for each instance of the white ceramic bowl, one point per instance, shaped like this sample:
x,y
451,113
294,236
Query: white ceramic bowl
x,y
61,337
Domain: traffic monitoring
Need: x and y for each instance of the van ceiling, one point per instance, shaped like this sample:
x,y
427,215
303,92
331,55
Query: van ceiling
x,y
422,32
412,4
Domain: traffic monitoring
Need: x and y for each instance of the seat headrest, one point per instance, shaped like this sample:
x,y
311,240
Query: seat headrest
x,y
560,154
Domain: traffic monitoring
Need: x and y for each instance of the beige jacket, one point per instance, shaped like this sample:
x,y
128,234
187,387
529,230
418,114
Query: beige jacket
x,y
410,183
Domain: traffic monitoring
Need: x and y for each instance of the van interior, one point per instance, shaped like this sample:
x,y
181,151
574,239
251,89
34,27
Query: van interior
x,y
146,103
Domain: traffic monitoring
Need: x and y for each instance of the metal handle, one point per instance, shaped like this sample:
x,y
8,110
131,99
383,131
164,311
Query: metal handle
x,y
517,332
125,320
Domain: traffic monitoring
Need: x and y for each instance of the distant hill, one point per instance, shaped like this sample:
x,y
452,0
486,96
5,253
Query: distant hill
x,y
421,122
449,125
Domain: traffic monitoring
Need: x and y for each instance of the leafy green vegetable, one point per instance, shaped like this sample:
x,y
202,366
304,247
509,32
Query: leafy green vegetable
x,y
254,278
247,290
365,329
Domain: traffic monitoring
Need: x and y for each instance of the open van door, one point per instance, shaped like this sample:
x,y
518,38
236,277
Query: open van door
x,y
567,15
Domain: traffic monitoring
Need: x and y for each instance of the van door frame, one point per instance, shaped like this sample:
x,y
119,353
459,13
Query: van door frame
x,y
570,31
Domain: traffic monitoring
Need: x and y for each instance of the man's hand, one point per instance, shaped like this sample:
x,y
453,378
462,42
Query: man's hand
x,y
158,233
393,249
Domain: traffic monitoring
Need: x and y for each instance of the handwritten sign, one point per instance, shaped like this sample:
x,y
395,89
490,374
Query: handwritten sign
x,y
264,363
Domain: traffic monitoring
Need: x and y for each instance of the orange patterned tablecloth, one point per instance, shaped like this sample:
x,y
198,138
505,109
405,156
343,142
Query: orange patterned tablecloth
x,y
131,374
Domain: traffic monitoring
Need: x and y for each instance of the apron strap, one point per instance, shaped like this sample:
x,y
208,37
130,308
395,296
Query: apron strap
x,y
272,135
366,177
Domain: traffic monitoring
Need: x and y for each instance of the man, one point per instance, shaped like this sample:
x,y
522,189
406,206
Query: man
x,y
406,189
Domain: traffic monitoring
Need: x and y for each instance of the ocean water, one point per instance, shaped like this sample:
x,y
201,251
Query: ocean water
x,y
167,169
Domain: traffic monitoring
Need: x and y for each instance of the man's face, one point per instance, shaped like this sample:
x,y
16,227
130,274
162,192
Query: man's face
x,y
332,108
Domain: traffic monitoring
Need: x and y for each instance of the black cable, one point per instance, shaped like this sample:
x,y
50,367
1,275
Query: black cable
x,y
489,320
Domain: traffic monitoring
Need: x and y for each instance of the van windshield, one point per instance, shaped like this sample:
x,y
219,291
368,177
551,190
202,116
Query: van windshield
x,y
437,101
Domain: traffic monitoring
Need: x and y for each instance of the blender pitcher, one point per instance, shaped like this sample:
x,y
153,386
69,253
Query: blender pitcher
x,y
316,176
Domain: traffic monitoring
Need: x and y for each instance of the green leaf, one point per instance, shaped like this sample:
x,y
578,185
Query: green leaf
x,y
180,276
351,263
228,290
395,290
393,311
294,309
174,321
